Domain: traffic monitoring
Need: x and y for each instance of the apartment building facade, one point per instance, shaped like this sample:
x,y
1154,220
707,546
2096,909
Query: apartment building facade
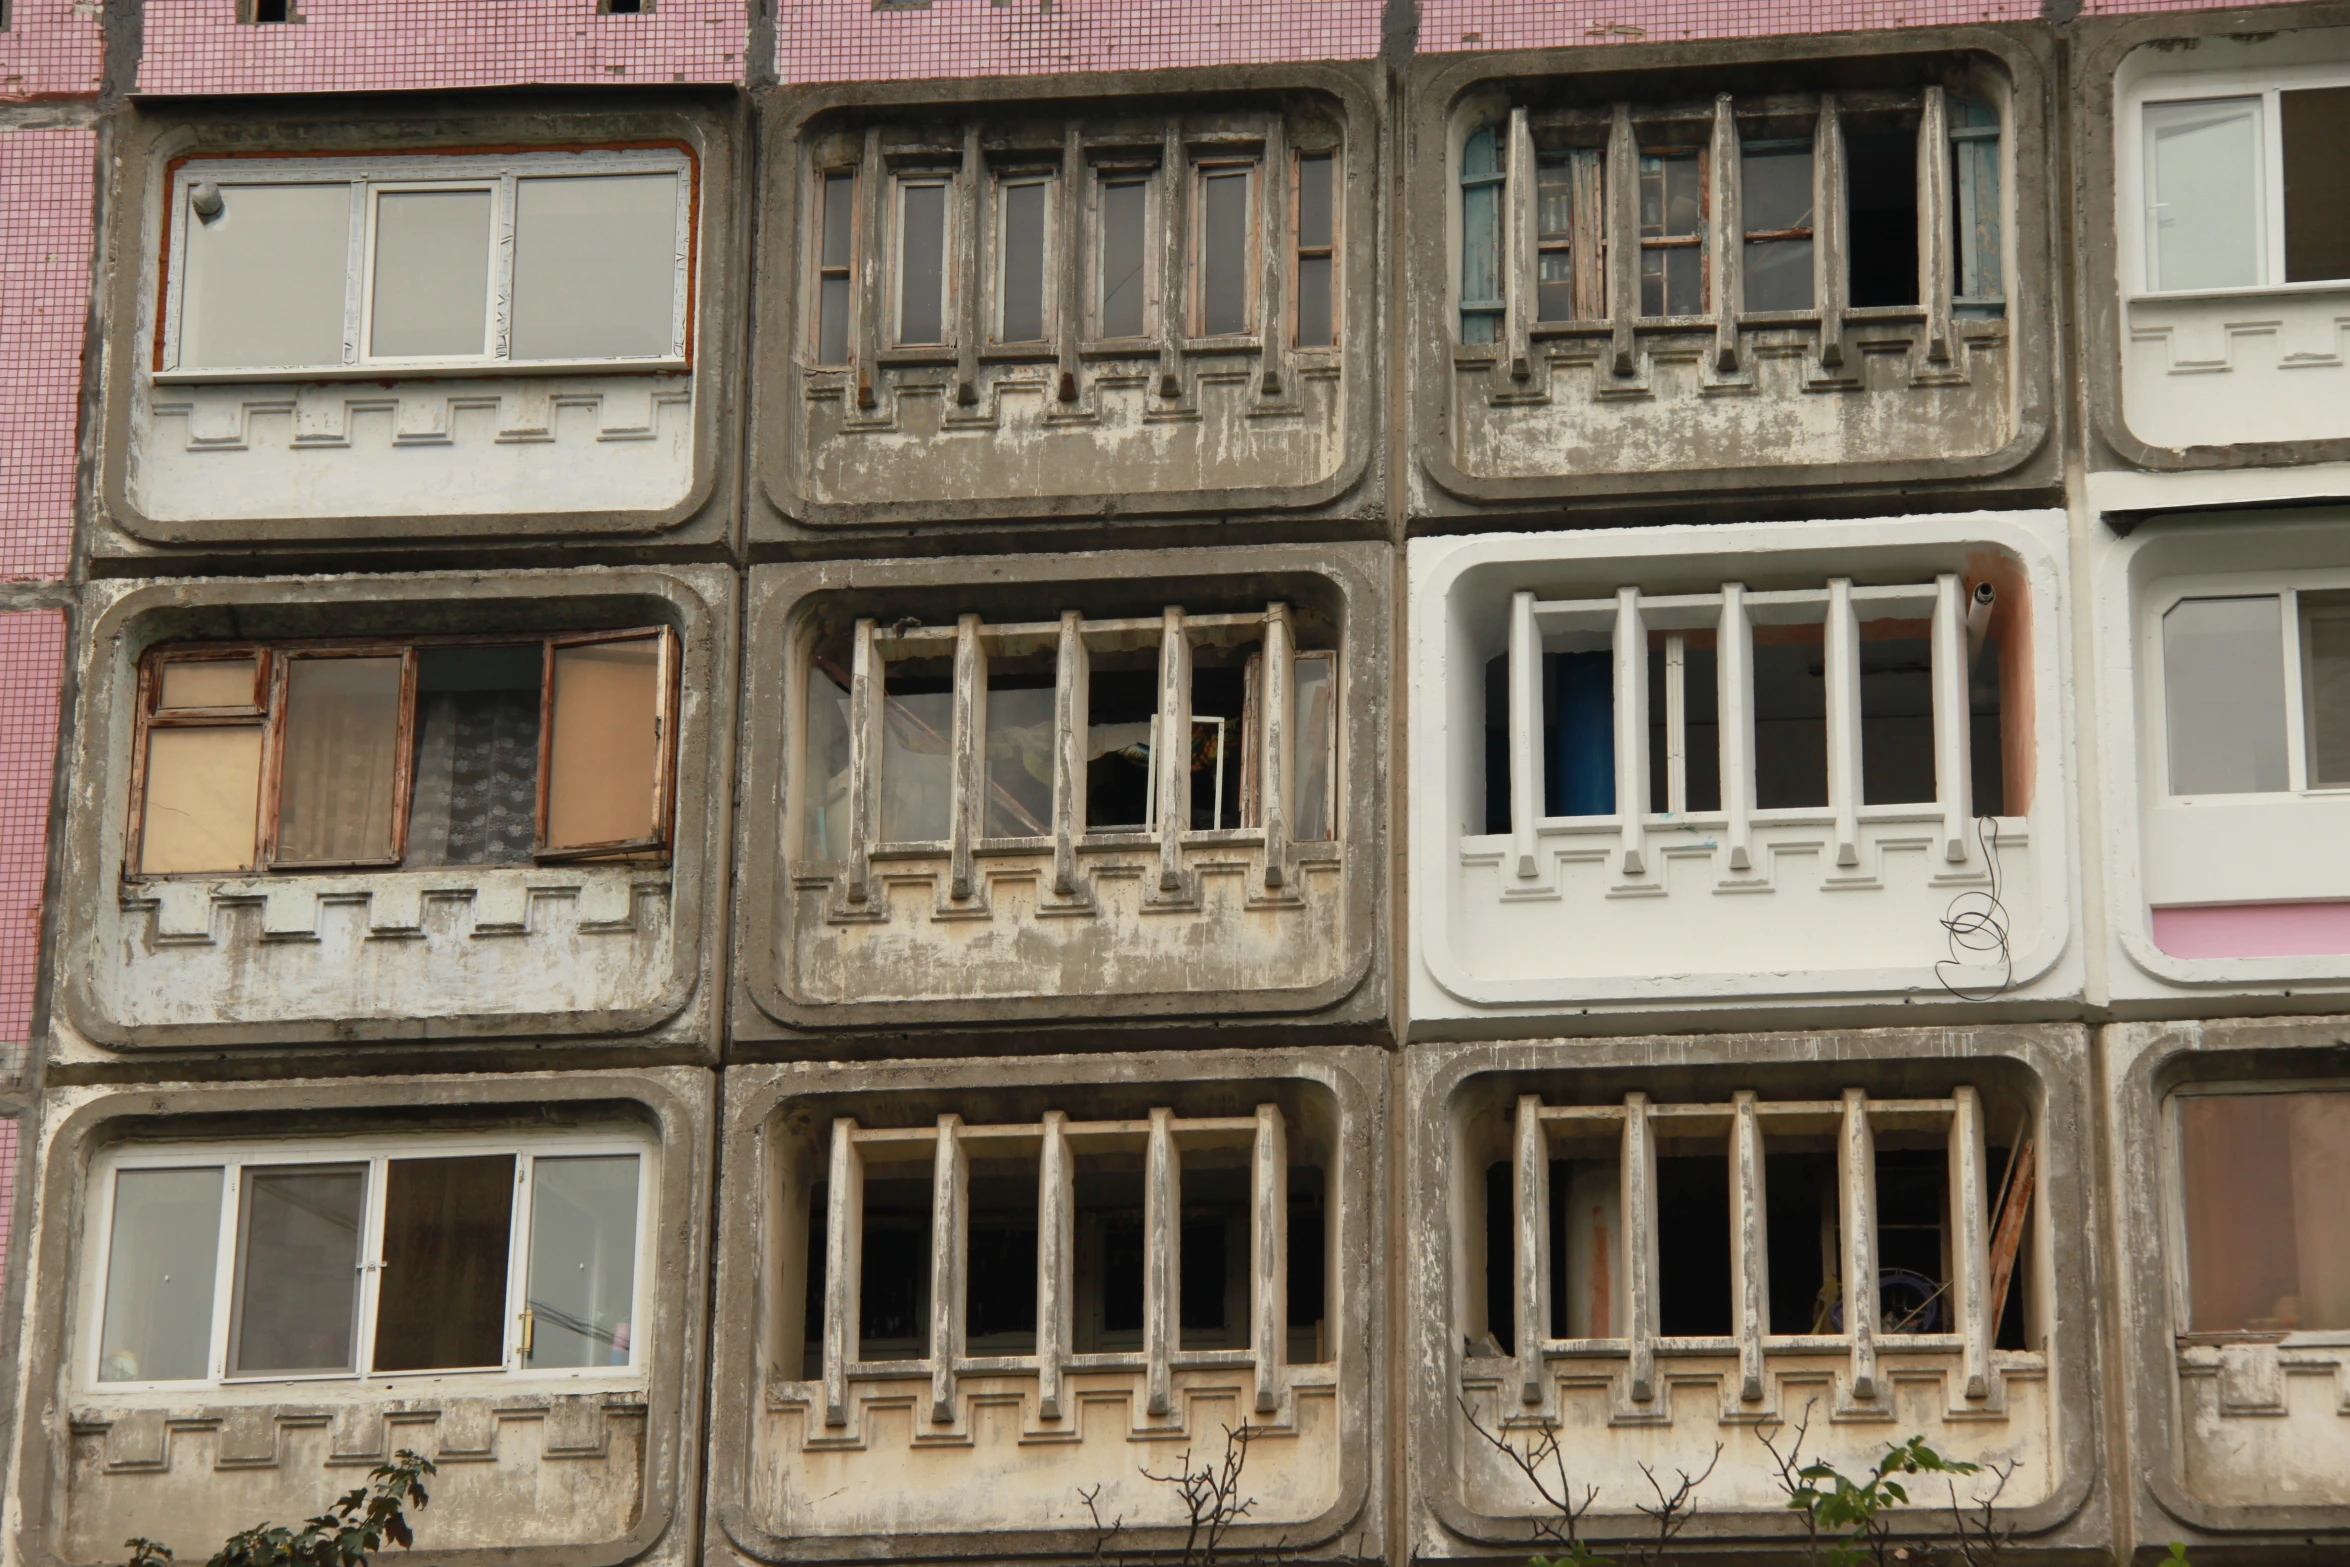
x,y
819,781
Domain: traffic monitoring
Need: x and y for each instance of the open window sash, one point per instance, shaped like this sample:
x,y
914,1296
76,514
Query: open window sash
x,y
340,757
607,745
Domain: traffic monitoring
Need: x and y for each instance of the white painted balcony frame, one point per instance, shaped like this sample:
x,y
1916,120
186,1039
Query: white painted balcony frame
x,y
1055,1143
1732,614
1854,1121
369,178
971,642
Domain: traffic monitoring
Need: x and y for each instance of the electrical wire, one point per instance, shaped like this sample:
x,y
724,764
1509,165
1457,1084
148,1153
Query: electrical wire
x,y
1976,924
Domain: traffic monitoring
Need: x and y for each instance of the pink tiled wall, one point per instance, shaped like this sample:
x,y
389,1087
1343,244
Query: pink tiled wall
x,y
51,49
1454,25
7,1192
198,46
45,192
32,667
849,40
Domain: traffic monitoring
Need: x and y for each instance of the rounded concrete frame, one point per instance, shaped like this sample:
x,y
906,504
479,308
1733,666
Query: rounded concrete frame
x,y
1435,83
1354,1527
1351,503
116,624
150,134
2101,45
2070,1524
681,1105
1351,1006
2143,1063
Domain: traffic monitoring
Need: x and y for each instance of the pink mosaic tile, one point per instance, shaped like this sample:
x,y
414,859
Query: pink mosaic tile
x,y
1450,26
850,40
45,195
198,46
32,667
51,49
7,1191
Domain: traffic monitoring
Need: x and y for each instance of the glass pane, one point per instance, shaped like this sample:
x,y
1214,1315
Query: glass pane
x,y
1774,189
207,682
264,279
432,273
917,724
1671,204
1020,757
203,795
604,757
477,755
2223,677
595,267
1313,302
832,330
1223,250
1896,716
1778,274
1314,727
1580,779
2203,201
2315,127
447,1228
1122,710
298,1276
2268,1234
2325,683
1480,237
922,244
582,1261
1790,723
1123,219
1554,197
159,1276
840,218
1314,202
342,738
1023,261
824,767
1672,282
1555,287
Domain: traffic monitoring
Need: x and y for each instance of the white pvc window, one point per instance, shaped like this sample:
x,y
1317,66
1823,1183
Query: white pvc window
x,y
2256,691
445,264
2239,186
323,1259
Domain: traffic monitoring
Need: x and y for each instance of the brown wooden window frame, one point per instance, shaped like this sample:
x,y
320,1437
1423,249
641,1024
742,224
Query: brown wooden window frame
x,y
1221,165
1300,252
845,271
268,712
1695,239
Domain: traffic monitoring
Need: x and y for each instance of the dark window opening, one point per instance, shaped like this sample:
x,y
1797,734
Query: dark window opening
x,y
1580,733
477,755
1110,1258
1693,1246
1497,744
447,1233
999,1302
1896,720
1790,724
1307,1267
2315,125
273,10
1122,707
1501,1257
626,7
1701,731
1219,713
1800,1210
1913,1241
1881,174
893,1274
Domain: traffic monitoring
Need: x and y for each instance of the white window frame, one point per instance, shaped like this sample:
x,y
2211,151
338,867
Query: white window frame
x,y
948,241
2286,586
232,1159
2131,158
1053,260
2180,1270
370,179
1100,176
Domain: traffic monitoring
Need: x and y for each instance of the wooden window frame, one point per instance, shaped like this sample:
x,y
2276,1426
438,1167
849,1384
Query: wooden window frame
x,y
1693,240
268,713
1221,165
1052,264
949,240
665,703
1115,171
1300,252
273,763
846,271
1754,236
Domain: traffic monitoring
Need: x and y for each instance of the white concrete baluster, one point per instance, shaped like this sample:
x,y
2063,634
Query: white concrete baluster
x,y
844,1246
1269,1256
